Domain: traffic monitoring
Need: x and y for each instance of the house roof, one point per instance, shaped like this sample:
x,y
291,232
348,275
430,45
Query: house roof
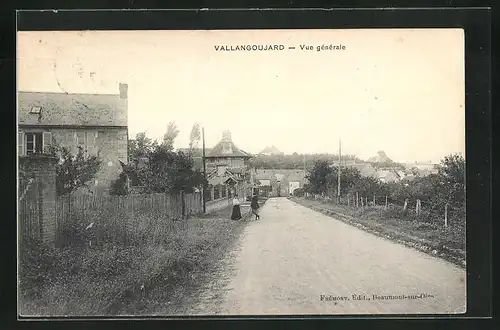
x,y
365,169
197,152
226,148
272,150
384,174
289,174
215,179
380,158
64,109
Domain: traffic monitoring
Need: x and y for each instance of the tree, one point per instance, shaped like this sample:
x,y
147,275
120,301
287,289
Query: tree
x,y
318,177
170,135
164,169
194,137
140,147
74,171
451,174
349,176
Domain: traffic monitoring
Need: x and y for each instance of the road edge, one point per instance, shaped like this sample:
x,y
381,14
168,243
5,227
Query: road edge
x,y
433,250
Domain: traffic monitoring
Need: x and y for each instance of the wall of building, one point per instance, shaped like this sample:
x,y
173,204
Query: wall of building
x,y
230,162
111,144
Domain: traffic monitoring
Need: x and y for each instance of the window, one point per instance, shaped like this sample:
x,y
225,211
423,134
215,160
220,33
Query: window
x,y
87,141
36,110
34,142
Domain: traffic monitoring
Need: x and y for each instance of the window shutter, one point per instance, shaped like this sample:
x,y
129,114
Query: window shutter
x,y
96,149
20,143
75,143
89,143
46,142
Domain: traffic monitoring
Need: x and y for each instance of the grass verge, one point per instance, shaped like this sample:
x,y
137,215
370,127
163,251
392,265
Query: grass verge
x,y
133,279
446,243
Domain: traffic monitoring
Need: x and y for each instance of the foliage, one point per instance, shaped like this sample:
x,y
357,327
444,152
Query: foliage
x,y
74,171
299,192
119,186
194,137
170,135
445,187
140,146
319,177
163,169
294,161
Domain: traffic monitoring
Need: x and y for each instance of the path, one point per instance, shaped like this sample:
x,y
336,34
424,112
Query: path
x,y
297,261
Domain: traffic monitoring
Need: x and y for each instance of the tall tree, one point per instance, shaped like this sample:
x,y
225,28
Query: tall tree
x,y
318,177
452,175
140,146
170,135
194,137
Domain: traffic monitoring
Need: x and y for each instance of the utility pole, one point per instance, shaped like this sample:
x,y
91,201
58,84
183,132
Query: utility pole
x,y
338,176
204,171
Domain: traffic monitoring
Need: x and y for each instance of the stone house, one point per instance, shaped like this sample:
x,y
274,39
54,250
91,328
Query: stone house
x,y
95,122
387,176
227,170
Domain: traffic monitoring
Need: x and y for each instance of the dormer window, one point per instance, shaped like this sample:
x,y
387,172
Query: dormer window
x,y
36,110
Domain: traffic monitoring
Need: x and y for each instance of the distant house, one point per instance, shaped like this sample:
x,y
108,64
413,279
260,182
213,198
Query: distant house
x,y
95,122
271,151
381,157
388,176
228,169
279,182
365,169
422,169
226,153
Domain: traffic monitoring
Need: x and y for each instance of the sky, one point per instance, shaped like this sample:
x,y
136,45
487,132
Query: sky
x,y
397,90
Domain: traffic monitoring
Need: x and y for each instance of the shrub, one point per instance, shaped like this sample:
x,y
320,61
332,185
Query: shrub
x,y
299,192
119,186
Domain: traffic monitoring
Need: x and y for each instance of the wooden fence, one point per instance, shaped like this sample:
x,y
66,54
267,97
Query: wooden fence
x,y
146,214
131,216
30,210
441,213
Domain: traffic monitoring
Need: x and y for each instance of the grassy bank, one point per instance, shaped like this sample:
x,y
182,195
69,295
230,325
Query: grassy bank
x,y
447,243
136,278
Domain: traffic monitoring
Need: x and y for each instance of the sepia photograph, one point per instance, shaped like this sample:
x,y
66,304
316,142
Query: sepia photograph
x,y
241,172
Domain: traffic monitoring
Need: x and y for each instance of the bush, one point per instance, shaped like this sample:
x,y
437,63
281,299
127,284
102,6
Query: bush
x,y
119,186
299,192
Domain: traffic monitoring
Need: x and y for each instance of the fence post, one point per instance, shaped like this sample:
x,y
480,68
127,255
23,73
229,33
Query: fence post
x,y
386,202
446,215
183,202
374,201
39,192
406,205
348,201
417,207
366,201
357,198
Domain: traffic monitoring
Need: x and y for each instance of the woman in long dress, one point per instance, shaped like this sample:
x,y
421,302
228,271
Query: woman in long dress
x,y
236,214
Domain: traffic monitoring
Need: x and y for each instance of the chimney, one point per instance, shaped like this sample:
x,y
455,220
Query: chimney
x,y
226,136
123,91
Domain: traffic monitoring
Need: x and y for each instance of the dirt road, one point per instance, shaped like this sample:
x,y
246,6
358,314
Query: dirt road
x,y
297,261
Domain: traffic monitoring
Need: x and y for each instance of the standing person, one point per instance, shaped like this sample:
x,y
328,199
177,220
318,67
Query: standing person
x,y
236,214
255,206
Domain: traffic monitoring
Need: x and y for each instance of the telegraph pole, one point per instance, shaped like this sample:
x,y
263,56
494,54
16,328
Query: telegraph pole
x,y
204,171
339,171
